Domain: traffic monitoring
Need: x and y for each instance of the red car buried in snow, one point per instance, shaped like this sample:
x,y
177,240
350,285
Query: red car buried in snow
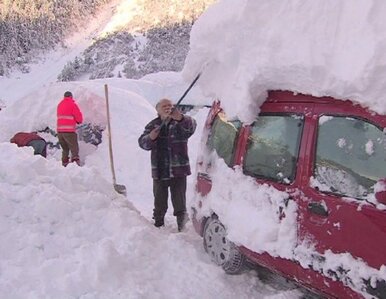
x,y
329,157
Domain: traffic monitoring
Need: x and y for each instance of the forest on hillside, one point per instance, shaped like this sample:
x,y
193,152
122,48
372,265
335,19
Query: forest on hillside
x,y
28,27
157,38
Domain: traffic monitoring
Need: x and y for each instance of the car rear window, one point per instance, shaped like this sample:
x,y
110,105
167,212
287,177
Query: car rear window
x,y
222,137
273,147
350,156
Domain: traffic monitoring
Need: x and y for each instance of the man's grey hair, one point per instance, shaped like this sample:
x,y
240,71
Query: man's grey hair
x,y
162,100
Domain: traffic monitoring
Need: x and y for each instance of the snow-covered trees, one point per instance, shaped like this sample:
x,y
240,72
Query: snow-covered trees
x,y
30,26
165,50
156,39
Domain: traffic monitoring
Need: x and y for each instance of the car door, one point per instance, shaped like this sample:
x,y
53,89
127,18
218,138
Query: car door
x,y
220,136
338,217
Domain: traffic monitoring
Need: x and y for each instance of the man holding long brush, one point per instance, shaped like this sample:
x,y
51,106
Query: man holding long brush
x,y
167,138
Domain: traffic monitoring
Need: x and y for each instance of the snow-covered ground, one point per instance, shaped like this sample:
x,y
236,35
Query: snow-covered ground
x,y
65,233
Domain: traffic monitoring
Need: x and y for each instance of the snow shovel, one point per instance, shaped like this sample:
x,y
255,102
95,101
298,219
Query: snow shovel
x,y
121,189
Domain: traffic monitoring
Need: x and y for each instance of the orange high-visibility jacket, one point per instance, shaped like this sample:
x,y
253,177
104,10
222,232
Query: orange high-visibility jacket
x,y
69,115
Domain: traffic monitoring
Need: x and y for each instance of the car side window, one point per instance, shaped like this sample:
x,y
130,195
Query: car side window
x,y
222,137
273,147
350,156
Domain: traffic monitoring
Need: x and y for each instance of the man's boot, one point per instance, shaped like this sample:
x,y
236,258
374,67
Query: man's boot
x,y
159,222
65,161
181,221
76,160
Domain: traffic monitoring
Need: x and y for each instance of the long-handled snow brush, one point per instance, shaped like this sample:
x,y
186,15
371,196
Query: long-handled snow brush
x,y
121,189
188,89
166,121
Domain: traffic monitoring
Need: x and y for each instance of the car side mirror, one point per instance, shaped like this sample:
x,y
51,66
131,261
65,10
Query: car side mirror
x,y
380,191
214,110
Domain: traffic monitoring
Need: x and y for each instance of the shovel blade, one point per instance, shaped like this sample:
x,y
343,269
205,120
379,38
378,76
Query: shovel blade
x,y
121,189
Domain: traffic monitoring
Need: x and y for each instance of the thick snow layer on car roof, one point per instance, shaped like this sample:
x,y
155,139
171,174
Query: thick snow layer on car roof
x,y
317,47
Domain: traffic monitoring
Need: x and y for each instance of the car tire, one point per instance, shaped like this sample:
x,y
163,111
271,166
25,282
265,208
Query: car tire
x,y
222,251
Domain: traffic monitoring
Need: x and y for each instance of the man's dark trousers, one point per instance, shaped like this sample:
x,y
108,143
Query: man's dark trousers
x,y
178,196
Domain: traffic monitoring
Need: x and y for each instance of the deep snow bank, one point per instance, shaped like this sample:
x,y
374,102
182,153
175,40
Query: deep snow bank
x,y
318,47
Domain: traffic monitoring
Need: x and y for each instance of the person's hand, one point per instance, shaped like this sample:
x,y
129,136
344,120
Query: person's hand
x,y
176,114
154,133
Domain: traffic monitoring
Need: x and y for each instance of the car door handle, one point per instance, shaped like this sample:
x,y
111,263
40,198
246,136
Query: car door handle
x,y
318,209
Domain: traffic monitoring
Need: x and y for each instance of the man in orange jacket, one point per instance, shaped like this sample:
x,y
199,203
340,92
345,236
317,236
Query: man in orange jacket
x,y
68,116
31,139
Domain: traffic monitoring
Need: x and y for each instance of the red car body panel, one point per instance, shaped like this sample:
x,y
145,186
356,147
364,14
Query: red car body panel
x,y
362,228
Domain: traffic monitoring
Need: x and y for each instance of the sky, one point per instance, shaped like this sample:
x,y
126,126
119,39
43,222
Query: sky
x,y
65,232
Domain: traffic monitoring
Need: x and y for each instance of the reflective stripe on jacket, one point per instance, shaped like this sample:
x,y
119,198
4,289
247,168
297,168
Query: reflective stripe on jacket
x,y
68,115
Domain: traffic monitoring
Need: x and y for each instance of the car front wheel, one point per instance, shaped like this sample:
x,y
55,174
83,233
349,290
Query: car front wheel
x,y
222,251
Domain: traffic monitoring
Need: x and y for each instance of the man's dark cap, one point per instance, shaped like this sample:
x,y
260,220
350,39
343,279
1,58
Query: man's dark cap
x,y
68,94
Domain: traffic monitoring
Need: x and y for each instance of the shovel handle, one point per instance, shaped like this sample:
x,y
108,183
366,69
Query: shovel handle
x,y
109,134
